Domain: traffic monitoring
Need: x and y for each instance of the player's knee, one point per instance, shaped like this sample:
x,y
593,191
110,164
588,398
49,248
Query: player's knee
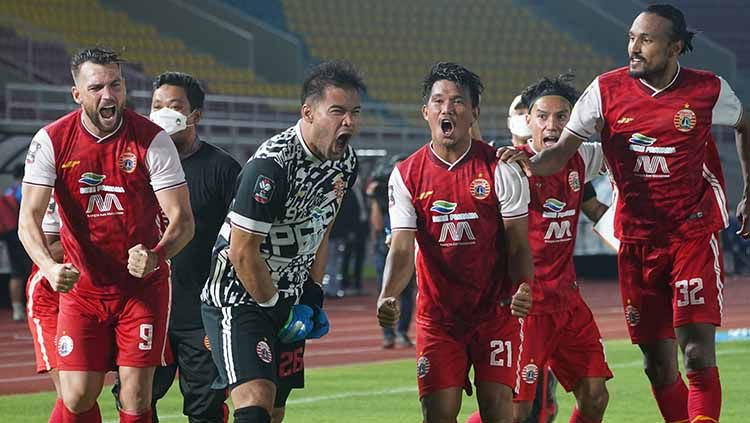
x,y
521,411
659,372
251,414
277,414
596,400
433,412
78,402
696,357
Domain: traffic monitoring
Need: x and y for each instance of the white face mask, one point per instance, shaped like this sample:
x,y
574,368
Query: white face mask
x,y
518,127
170,120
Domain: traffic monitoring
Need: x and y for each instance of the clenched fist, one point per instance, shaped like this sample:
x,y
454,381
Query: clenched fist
x,y
62,276
388,312
142,261
520,305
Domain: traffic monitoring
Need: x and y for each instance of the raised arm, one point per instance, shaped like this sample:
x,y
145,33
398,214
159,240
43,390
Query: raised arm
x,y
742,138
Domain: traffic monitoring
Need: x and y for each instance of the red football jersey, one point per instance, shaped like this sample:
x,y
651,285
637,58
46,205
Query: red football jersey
x,y
105,193
655,145
457,211
554,211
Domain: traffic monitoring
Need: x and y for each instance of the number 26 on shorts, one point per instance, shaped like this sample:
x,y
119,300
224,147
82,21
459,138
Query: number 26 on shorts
x,y
497,358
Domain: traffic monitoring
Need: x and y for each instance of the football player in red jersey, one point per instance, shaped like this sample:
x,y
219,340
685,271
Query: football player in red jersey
x,y
468,215
113,173
655,118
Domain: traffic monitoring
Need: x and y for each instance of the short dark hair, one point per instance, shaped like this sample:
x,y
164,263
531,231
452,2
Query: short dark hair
x,y
680,31
448,71
338,73
195,94
558,86
96,55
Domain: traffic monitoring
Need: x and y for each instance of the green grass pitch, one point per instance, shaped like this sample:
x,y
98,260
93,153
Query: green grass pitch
x,y
386,392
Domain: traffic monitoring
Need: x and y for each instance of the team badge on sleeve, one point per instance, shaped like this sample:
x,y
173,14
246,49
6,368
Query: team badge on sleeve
x,y
530,373
263,189
264,352
684,120
480,188
127,161
574,181
423,367
339,186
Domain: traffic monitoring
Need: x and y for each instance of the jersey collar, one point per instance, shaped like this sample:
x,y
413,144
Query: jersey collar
x,y
98,139
310,154
447,164
654,91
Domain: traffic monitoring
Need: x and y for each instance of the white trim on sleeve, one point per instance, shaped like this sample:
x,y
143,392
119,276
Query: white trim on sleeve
x,y
593,159
40,161
400,206
512,190
728,108
249,225
586,112
163,163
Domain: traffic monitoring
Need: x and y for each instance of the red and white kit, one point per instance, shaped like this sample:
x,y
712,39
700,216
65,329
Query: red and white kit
x,y
561,331
672,202
105,191
457,211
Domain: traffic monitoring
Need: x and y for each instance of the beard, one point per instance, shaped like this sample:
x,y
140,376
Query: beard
x,y
96,118
646,72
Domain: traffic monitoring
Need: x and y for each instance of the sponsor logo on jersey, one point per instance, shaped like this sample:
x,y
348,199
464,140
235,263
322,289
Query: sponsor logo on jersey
x,y
625,120
443,207
64,346
127,161
423,367
424,195
644,144
554,205
574,181
263,189
640,139
70,164
685,119
651,166
264,352
558,232
530,373
632,315
91,179
479,188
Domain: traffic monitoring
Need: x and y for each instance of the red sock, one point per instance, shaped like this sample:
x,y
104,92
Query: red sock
x,y
704,400
673,401
90,416
57,412
577,417
129,417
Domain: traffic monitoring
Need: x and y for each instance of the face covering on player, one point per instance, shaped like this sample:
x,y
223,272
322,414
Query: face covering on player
x,y
518,127
170,120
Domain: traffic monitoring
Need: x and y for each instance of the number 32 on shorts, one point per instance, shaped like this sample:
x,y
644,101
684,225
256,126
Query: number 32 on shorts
x,y
497,358
687,292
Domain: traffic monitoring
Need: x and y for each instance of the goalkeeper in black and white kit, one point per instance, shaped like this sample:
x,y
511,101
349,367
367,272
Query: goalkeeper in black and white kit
x,y
263,298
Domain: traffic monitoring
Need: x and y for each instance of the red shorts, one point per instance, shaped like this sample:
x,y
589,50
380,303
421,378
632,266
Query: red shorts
x,y
444,359
42,306
568,341
96,334
667,286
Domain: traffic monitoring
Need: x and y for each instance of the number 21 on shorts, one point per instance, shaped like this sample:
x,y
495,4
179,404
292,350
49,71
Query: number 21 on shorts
x,y
497,358
687,292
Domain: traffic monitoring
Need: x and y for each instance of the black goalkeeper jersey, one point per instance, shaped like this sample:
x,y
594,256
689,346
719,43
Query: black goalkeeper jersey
x,y
290,196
